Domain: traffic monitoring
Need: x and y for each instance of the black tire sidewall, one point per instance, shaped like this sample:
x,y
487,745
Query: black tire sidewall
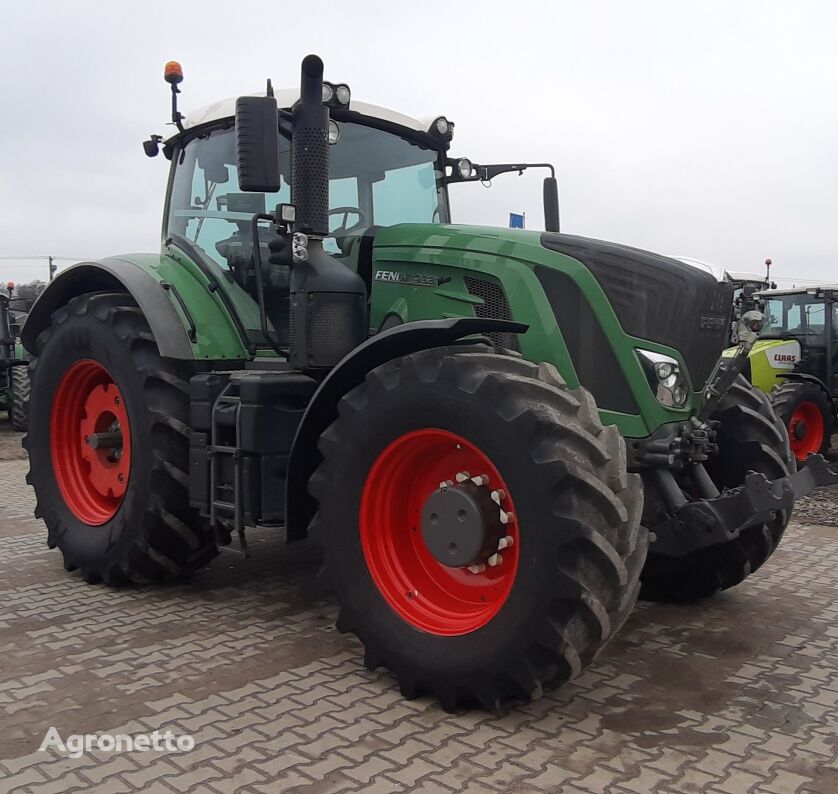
x,y
80,337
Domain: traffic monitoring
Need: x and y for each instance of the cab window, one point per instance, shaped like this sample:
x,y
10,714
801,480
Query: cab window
x,y
377,179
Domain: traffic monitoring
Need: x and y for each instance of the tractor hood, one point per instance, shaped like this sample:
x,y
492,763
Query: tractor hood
x,y
657,298
657,302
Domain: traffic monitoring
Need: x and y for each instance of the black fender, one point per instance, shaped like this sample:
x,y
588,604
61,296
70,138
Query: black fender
x,y
322,410
112,275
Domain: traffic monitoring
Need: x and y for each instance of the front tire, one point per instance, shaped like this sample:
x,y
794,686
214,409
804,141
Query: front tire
x,y
108,446
751,437
489,634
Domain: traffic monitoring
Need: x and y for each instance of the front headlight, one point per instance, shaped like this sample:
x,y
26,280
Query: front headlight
x,y
666,380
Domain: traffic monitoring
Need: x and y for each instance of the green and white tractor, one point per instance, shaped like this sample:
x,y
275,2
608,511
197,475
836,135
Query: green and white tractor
x,y
796,363
497,437
14,360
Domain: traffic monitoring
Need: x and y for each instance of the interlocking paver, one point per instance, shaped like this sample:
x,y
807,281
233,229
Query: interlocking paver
x,y
738,693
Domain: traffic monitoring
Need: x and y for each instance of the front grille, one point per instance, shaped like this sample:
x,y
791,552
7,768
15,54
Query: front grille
x,y
590,349
495,306
658,298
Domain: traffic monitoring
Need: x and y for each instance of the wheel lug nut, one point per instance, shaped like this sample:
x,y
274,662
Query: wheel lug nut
x,y
497,496
505,517
481,479
495,560
506,543
462,476
476,568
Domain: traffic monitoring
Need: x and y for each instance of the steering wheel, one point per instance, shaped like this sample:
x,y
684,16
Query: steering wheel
x,y
344,229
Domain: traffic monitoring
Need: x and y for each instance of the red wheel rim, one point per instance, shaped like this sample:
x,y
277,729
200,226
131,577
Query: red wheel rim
x,y
427,594
91,469
806,430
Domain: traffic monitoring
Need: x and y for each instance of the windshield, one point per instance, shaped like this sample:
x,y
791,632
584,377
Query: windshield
x,y
377,179
795,315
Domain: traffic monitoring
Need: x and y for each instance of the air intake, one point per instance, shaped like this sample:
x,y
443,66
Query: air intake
x,y
495,306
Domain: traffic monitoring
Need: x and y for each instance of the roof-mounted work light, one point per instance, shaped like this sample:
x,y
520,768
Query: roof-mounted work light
x,y
442,128
336,95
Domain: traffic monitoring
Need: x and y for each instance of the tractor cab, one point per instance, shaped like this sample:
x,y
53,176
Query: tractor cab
x,y
806,319
384,169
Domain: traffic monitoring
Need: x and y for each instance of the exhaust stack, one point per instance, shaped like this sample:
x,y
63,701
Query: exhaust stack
x,y
328,300
310,163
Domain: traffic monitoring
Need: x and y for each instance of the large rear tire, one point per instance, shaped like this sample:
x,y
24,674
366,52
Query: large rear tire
x,y
491,634
751,437
117,508
19,388
806,412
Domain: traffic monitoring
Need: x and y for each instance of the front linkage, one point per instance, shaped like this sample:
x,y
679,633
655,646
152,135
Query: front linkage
x,y
717,518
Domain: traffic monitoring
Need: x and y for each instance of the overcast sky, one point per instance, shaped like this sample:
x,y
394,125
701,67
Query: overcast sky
x,y
697,129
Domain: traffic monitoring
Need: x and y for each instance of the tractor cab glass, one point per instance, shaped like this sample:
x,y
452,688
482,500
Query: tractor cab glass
x,y
797,315
377,179
810,320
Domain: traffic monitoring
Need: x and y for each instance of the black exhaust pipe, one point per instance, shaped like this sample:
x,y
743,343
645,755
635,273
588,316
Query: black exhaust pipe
x,y
328,300
310,164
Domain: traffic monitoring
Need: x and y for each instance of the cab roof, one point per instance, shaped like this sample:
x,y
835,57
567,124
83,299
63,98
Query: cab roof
x,y
286,97
819,290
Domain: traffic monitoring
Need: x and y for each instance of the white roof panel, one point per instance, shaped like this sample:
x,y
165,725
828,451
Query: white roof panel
x,y
286,97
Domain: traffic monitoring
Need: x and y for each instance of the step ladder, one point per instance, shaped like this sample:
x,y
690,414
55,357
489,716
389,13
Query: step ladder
x,y
223,507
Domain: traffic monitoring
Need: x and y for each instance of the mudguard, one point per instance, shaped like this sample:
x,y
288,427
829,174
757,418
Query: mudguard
x,y
805,377
186,317
322,410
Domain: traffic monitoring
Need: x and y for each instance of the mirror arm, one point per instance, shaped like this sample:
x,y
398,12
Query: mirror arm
x,y
485,173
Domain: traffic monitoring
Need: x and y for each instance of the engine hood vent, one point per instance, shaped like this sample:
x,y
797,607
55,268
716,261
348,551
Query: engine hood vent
x,y
657,298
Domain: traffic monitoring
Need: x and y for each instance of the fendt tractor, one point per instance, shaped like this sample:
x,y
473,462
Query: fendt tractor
x,y
482,429
796,363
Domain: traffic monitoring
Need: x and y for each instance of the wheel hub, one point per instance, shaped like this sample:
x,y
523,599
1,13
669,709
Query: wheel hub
x,y
461,524
806,428
444,575
90,442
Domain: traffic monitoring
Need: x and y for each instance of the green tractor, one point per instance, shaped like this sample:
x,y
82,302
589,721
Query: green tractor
x,y
14,360
796,363
497,437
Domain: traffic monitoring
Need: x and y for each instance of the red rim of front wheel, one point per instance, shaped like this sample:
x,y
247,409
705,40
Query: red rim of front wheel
x,y
427,594
806,430
90,439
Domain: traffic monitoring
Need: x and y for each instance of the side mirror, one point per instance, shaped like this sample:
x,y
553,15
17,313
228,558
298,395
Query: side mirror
x,y
257,144
551,204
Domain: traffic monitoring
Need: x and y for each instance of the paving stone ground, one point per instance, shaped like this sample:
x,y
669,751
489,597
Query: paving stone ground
x,y
736,694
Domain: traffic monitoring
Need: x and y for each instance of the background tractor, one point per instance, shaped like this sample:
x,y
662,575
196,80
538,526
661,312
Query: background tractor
x,y
746,294
14,360
796,363
479,427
